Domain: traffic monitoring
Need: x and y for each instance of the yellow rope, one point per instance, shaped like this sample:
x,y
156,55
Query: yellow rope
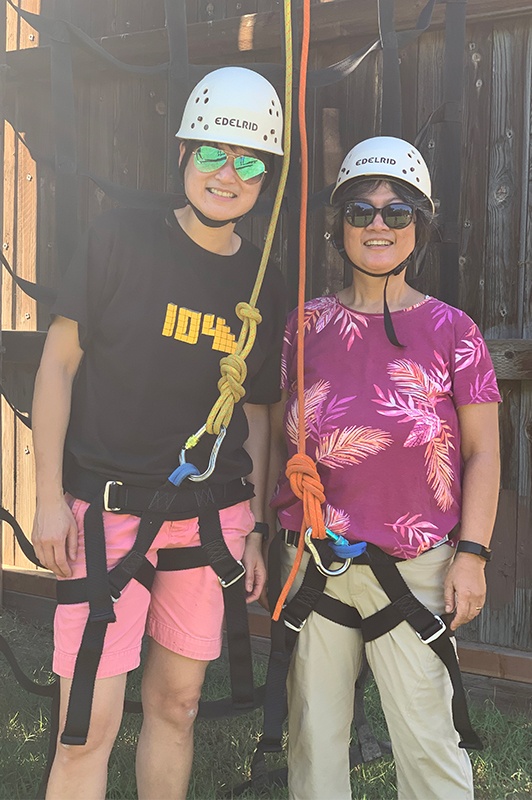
x,y
233,367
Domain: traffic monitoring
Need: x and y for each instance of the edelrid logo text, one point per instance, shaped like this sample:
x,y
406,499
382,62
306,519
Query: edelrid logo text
x,y
236,123
375,160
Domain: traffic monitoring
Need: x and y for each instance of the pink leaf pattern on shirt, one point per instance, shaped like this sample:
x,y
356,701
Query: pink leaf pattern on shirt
x,y
314,397
323,310
471,351
443,313
416,530
416,400
350,446
484,389
336,519
439,468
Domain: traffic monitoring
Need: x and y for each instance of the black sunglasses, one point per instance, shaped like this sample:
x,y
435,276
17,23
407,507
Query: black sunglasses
x,y
360,214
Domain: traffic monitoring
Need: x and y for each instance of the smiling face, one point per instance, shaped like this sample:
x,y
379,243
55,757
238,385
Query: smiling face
x,y
378,248
221,194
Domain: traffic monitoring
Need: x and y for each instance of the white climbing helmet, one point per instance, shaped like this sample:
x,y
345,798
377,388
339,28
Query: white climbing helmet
x,y
386,157
237,106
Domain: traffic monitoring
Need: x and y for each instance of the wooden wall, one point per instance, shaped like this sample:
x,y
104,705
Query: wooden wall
x,y
122,136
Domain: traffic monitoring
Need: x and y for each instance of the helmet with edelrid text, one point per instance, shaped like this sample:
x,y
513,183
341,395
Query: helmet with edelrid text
x,y
385,157
236,106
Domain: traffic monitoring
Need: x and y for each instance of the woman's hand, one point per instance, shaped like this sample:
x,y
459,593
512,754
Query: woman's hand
x,y
465,588
55,536
255,576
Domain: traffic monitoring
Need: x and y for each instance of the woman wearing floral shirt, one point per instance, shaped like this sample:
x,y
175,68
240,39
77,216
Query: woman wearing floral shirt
x,y
401,420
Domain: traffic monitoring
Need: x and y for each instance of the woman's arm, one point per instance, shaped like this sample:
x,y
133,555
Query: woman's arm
x,y
465,584
257,446
54,533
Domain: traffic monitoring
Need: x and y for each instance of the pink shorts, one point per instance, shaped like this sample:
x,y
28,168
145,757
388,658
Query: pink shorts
x,y
184,612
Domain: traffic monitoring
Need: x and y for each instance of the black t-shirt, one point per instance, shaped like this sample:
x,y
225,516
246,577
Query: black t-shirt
x,y
156,313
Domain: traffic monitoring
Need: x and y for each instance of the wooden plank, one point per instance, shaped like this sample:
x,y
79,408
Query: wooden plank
x,y
431,48
512,358
39,583
216,39
497,662
475,174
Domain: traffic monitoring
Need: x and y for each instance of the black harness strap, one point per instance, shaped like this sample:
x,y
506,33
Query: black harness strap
x,y
101,613
231,576
431,630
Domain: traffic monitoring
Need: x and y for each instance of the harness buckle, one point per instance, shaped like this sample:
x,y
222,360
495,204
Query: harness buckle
x,y
226,582
433,636
294,626
108,486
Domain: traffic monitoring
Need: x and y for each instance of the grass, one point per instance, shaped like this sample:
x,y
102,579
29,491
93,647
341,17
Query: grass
x,y
503,770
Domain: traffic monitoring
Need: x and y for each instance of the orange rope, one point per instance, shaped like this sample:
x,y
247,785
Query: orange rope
x,y
301,470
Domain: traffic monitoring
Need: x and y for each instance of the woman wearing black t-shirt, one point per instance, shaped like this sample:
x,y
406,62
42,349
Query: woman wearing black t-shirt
x,y
143,317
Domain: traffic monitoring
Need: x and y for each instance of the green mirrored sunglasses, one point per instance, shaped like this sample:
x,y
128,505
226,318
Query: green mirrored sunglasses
x,y
248,168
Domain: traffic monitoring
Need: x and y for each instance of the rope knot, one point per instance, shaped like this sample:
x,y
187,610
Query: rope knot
x,y
246,311
234,371
303,476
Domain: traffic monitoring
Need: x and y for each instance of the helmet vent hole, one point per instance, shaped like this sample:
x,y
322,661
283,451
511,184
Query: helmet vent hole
x,y
405,172
206,91
347,171
205,127
409,155
412,169
206,100
197,100
270,112
193,125
417,179
265,138
275,140
200,119
276,113
272,131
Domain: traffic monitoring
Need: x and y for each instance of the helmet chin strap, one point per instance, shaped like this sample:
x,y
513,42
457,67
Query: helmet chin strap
x,y
388,324
212,223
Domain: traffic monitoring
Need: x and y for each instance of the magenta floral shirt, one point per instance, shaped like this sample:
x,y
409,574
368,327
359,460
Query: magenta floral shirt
x,y
381,421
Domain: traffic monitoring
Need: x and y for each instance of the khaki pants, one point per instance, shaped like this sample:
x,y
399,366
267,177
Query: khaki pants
x,y
413,683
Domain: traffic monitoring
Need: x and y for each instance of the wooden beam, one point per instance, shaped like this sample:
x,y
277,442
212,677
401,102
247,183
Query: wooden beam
x,y
512,358
219,40
39,583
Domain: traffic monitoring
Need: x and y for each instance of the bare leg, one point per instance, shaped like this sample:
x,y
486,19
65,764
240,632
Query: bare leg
x,y
81,771
171,688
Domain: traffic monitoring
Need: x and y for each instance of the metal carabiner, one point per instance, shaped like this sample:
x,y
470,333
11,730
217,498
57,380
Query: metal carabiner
x,y
212,458
317,560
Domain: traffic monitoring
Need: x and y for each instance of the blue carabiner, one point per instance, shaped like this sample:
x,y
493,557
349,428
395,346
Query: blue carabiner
x,y
212,458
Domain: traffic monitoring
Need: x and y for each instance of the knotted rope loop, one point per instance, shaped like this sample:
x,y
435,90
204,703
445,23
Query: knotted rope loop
x,y
234,371
306,484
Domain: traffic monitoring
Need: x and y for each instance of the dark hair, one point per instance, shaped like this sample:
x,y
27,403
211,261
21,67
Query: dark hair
x,y
268,158
357,189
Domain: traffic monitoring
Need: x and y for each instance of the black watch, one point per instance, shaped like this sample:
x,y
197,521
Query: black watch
x,y
263,528
477,549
